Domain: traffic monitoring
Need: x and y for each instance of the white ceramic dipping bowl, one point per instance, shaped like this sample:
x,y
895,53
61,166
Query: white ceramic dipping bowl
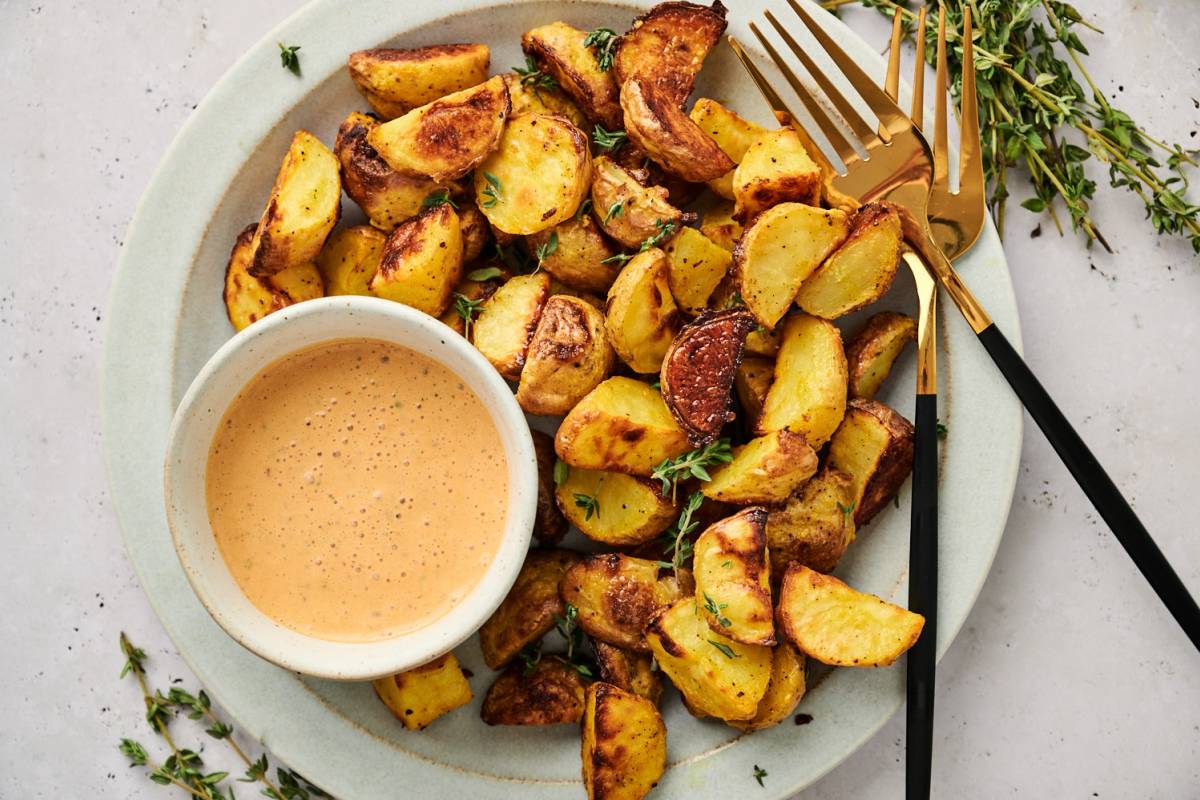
x,y
191,434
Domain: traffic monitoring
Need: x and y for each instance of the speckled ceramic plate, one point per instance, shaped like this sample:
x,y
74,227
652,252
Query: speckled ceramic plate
x,y
166,318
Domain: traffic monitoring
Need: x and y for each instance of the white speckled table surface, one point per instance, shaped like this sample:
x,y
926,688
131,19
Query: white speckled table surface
x,y
1069,680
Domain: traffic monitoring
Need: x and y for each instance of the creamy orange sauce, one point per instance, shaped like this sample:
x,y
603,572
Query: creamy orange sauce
x,y
357,490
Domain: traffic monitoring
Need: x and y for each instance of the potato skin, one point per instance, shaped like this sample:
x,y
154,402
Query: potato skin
x,y
641,208
507,321
640,315
808,395
784,692
668,44
579,256
421,695
764,470
558,49
350,259
249,299
395,81
422,261
633,672
719,226
815,527
656,123
549,525
874,445
552,694
732,134
874,349
628,511
775,169
617,595
527,613
861,270
731,568
568,356
624,747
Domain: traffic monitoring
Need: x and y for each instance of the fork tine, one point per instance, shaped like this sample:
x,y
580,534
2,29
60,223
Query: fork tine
x,y
941,156
918,99
970,161
891,84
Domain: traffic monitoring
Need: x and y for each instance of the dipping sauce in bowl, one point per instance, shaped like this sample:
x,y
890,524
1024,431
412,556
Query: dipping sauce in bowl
x,y
357,490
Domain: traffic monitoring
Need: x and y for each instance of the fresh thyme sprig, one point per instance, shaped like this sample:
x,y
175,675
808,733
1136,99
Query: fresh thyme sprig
x,y
675,539
602,41
468,309
562,471
491,191
666,229
484,274
568,627
438,198
609,141
693,464
589,503
615,210
547,248
725,649
715,609
289,58
533,77
759,774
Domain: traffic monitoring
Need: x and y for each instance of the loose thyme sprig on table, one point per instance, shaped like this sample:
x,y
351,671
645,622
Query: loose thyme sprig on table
x,y
1031,107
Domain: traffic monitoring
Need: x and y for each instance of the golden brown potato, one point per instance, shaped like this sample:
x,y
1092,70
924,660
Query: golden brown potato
x,y
616,596
578,250
249,299
422,261
733,580
718,226
668,44
527,98
815,527
696,266
641,316
421,695
447,138
507,321
568,356
861,270
551,693
549,525
624,744
873,350
537,177
732,134
697,372
395,81
472,289
775,169
613,507
784,692
558,287
528,611
628,211
764,342
764,470
559,51
779,250
657,124
633,672
717,676
808,395
874,446
350,258
829,621
751,382
305,204
476,232
622,425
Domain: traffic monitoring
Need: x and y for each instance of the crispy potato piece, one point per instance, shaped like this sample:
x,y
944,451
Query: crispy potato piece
x,y
829,621
732,134
528,99
874,446
249,299
568,356
421,262
549,525
624,744
633,672
668,44
622,425
719,226
472,290
784,692
350,258
861,270
537,177
476,232
305,204
695,268
624,510
528,611
628,211
507,320
775,169
396,81
733,581
717,676
551,694
421,695
559,51
815,527
764,470
641,316
874,349
697,372
447,138
578,250
657,124
752,381
386,196
779,250
808,395
616,596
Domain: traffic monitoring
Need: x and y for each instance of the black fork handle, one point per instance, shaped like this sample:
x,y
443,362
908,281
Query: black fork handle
x,y
922,598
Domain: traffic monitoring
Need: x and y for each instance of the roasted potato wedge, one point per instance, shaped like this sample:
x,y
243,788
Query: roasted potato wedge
x,y
350,258
861,270
472,290
829,621
447,138
732,134
578,252
668,44
784,692
614,508
537,177
507,320
873,350
559,51
628,211
764,470
624,744
622,425
549,525
568,356
695,268
697,372
775,169
874,446
815,527
641,316
717,676
752,381
422,261
551,694
616,596
528,611
633,672
476,232
657,124
421,695
304,205
718,226
396,81
249,299
733,580
780,249
530,99
808,395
